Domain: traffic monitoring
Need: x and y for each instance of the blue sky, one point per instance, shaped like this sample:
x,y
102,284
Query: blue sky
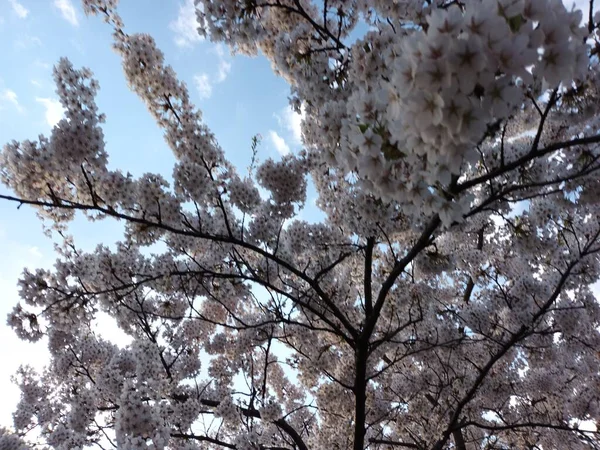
x,y
239,97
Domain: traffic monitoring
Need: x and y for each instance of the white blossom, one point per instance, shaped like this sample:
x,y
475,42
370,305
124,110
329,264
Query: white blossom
x,y
445,300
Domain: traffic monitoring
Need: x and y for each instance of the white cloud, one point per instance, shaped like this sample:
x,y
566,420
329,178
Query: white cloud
x,y
203,85
223,71
224,66
204,82
36,83
54,110
67,10
290,120
19,9
35,252
186,25
10,96
279,143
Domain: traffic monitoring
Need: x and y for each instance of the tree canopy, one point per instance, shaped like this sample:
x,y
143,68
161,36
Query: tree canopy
x,y
446,300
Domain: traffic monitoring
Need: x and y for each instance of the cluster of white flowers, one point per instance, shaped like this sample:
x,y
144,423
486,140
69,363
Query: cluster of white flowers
x,y
9,441
468,68
271,411
75,147
284,179
453,148
228,411
244,195
138,425
247,441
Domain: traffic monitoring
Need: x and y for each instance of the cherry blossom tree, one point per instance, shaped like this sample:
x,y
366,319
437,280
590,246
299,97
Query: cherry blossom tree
x,y
445,302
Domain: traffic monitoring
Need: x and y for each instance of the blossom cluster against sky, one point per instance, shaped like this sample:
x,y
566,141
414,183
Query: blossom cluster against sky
x,y
239,97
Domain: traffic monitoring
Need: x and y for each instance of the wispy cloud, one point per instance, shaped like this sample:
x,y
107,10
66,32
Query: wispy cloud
x,y
223,70
19,9
186,25
291,120
67,10
35,252
203,85
54,110
279,143
224,65
10,96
